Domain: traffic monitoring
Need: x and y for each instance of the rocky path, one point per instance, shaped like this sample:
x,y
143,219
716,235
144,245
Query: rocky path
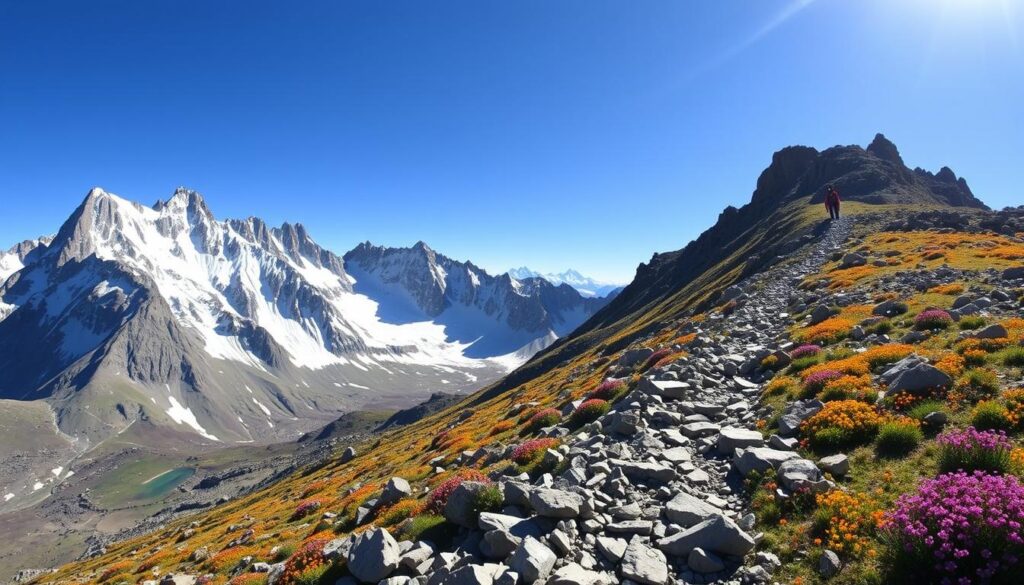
x,y
651,492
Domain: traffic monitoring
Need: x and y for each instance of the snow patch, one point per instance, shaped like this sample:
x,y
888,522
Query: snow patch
x,y
183,415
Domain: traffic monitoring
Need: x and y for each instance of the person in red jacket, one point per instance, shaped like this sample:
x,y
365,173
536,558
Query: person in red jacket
x,y
832,201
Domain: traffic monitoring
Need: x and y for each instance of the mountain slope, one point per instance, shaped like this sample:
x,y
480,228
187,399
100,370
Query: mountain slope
x,y
663,307
235,331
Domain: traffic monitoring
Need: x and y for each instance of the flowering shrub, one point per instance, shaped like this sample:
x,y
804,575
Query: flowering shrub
x,y
249,579
975,357
816,381
589,411
779,385
118,568
439,496
932,319
155,560
846,522
899,436
308,558
501,427
828,331
1013,357
971,450
313,488
985,345
544,418
770,362
958,528
841,422
609,390
805,350
882,355
532,449
854,365
399,511
229,558
306,507
848,387
655,358
989,415
951,364
954,288
978,384
1015,405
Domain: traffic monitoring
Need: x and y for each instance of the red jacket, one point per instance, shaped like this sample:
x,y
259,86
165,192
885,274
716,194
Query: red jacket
x,y
832,198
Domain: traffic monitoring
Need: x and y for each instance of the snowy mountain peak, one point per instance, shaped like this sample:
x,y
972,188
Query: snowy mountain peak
x,y
173,311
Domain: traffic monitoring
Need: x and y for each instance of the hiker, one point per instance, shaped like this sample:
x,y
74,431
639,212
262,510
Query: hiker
x,y
832,201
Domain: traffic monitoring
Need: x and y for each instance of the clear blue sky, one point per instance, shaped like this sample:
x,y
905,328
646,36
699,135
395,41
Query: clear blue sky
x,y
555,134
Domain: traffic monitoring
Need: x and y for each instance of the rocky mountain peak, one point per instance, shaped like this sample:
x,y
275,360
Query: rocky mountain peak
x,y
884,149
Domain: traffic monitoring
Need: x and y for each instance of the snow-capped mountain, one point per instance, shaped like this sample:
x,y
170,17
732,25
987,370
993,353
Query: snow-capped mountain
x,y
585,285
235,331
495,315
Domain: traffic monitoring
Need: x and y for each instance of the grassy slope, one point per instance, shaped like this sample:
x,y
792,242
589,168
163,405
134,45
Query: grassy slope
x,y
563,373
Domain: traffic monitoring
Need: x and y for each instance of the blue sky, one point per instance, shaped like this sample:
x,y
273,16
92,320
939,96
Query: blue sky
x,y
555,134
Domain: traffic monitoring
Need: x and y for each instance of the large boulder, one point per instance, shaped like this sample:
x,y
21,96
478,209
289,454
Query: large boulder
x,y
889,308
920,378
797,412
396,489
632,357
574,574
552,503
798,473
686,510
820,313
461,508
532,560
732,438
374,555
664,388
644,471
760,459
993,331
643,564
717,534
853,259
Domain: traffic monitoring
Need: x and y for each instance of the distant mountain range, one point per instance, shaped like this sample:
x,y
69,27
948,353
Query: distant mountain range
x,y
585,285
235,331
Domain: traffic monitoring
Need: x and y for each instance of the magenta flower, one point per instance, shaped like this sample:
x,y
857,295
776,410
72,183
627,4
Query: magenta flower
x,y
816,382
973,450
932,319
805,350
958,528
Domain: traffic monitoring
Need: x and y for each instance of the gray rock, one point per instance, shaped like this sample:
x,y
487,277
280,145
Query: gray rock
x,y
829,564
760,459
1013,273
611,548
396,489
632,357
837,465
797,473
532,560
641,470
473,575
337,549
920,378
348,455
889,308
275,573
704,562
935,420
717,534
552,503
795,413
686,510
374,555
696,430
853,259
461,506
820,313
574,574
993,331
643,564
664,388
732,438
